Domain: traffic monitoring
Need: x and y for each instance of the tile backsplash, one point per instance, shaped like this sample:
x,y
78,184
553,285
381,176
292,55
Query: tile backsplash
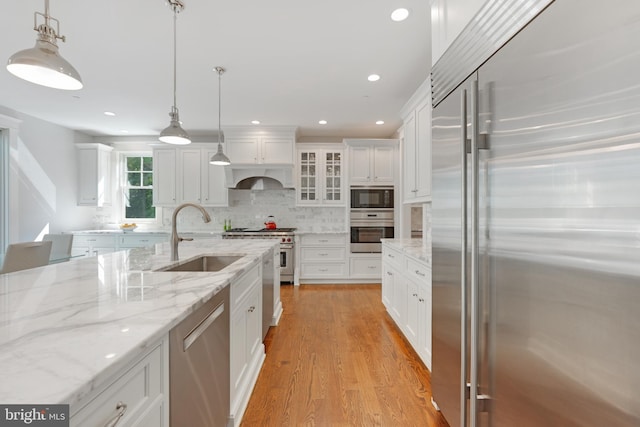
x,y
250,208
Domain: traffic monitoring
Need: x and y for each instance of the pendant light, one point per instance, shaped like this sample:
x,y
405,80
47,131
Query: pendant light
x,y
42,64
174,134
219,158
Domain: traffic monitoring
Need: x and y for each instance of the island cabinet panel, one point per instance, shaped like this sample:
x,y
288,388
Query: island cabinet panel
x,y
137,396
247,349
406,294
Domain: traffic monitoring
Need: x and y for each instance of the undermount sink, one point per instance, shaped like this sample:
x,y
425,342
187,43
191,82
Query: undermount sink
x,y
204,263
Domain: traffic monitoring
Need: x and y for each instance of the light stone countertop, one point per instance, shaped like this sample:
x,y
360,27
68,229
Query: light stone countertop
x,y
66,328
412,247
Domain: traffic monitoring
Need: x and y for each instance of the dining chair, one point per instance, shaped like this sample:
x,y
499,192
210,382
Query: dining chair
x,y
20,256
60,246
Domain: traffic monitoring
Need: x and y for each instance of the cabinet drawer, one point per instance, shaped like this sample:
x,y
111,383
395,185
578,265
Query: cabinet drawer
x,y
321,271
323,254
138,388
392,256
241,287
366,267
418,270
138,241
323,239
94,240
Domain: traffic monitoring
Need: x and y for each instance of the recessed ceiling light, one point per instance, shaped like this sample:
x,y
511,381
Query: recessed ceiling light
x,y
124,131
323,122
373,78
399,14
380,122
255,122
110,356
109,113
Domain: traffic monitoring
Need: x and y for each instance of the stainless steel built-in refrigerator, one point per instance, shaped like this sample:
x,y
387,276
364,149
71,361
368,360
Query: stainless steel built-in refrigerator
x,y
536,226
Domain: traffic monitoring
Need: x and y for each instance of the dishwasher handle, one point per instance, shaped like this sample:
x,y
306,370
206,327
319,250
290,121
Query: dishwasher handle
x,y
202,326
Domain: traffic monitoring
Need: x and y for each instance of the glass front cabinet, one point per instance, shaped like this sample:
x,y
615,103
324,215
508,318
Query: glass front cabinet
x,y
320,175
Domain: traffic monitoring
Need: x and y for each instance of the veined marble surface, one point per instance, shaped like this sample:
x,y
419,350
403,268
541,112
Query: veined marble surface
x,y
412,247
66,328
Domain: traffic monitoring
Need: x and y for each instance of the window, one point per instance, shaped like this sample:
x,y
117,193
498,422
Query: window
x,y
138,188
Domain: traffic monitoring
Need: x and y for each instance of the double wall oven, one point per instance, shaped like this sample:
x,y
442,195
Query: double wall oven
x,y
284,235
371,217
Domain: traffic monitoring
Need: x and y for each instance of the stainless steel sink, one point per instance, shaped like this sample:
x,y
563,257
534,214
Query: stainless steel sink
x,y
204,263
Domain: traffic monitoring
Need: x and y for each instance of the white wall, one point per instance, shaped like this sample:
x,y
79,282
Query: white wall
x,y
43,180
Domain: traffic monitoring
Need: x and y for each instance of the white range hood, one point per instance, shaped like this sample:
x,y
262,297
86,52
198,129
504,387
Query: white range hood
x,y
259,177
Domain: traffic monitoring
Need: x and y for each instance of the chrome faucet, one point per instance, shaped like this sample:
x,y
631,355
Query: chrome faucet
x,y
175,239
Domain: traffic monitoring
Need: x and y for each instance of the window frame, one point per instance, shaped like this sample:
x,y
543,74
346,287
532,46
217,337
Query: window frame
x,y
124,186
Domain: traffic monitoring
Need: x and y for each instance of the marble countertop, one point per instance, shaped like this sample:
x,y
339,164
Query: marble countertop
x,y
66,328
412,247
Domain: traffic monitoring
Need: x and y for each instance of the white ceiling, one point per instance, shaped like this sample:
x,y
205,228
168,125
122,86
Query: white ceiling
x,y
289,63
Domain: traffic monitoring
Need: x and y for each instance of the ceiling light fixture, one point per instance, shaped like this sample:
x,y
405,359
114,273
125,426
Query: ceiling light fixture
x,y
174,134
322,122
255,122
109,113
42,64
380,122
373,78
399,14
219,158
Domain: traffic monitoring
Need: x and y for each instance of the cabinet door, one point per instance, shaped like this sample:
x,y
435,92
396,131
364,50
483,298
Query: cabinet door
x,y
423,151
388,279
308,178
424,319
242,150
214,190
359,165
409,158
88,177
164,177
332,171
254,321
399,311
276,150
189,178
383,165
239,354
411,326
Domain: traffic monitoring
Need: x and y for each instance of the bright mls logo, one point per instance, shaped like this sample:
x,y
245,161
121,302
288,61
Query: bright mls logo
x,y
34,415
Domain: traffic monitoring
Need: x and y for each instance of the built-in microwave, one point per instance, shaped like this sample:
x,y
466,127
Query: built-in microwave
x,y
371,197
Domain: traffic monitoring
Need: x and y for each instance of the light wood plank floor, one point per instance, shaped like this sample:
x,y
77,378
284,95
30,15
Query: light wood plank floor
x,y
337,359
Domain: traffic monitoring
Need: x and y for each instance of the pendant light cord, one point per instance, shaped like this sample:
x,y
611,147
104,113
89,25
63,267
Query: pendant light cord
x,y
175,53
219,105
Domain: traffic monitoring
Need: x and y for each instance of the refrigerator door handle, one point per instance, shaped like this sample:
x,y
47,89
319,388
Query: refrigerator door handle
x,y
464,350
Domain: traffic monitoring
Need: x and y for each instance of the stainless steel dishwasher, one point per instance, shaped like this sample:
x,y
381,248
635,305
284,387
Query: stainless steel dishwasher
x,y
199,366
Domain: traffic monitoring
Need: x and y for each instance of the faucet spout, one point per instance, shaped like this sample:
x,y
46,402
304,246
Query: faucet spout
x,y
175,238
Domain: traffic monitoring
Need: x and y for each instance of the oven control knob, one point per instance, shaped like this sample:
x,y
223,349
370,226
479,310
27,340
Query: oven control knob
x,y
288,239
283,240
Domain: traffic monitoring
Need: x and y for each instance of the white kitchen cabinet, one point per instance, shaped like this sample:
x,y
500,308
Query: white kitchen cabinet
x,y
94,174
247,350
406,293
416,154
372,162
320,170
140,392
365,266
184,174
323,257
265,146
92,244
139,240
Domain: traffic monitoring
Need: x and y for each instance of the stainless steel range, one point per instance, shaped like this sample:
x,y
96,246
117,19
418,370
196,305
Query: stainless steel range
x,y
286,237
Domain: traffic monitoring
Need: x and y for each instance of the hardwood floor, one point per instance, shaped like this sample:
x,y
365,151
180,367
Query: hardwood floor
x,y
337,359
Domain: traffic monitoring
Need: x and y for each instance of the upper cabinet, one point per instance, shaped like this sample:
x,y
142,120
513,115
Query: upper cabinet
x,y
260,146
416,147
319,176
372,161
94,174
183,174
448,19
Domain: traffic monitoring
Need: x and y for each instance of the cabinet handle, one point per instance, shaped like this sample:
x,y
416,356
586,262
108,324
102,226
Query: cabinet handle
x,y
252,308
420,274
391,256
323,241
323,269
202,327
371,267
121,408
323,254
389,273
415,295
421,299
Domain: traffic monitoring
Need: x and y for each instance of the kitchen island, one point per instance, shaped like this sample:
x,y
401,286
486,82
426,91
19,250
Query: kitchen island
x,y
67,329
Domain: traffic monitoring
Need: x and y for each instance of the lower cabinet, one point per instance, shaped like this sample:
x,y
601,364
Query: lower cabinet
x,y
247,349
137,397
365,266
92,244
406,294
323,257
